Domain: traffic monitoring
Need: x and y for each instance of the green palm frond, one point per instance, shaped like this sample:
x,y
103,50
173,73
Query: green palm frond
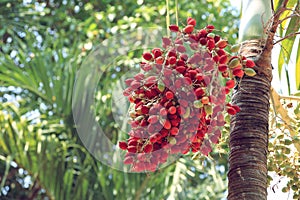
x,y
57,165
289,28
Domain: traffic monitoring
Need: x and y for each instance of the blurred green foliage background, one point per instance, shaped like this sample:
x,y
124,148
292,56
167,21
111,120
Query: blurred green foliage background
x,y
42,46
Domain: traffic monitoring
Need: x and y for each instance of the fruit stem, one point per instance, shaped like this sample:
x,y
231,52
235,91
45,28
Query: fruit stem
x,y
176,11
168,18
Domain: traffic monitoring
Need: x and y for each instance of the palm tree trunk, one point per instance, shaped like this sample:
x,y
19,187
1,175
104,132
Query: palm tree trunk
x,y
249,129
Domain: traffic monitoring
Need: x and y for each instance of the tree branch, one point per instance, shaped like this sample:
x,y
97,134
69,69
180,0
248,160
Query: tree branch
x,y
272,6
287,36
290,16
265,56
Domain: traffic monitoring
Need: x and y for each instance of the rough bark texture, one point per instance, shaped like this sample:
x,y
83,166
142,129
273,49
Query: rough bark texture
x,y
249,130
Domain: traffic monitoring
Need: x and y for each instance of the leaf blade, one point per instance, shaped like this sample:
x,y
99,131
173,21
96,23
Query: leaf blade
x,y
298,69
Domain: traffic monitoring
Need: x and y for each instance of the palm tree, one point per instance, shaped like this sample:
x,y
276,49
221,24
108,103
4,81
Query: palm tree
x,y
37,135
249,128
38,140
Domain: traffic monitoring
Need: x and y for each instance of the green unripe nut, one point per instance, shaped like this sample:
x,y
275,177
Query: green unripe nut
x,y
172,140
234,62
198,104
208,109
249,72
235,48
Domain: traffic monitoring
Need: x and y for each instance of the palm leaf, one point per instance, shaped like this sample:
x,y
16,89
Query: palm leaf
x,y
288,45
54,171
298,69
